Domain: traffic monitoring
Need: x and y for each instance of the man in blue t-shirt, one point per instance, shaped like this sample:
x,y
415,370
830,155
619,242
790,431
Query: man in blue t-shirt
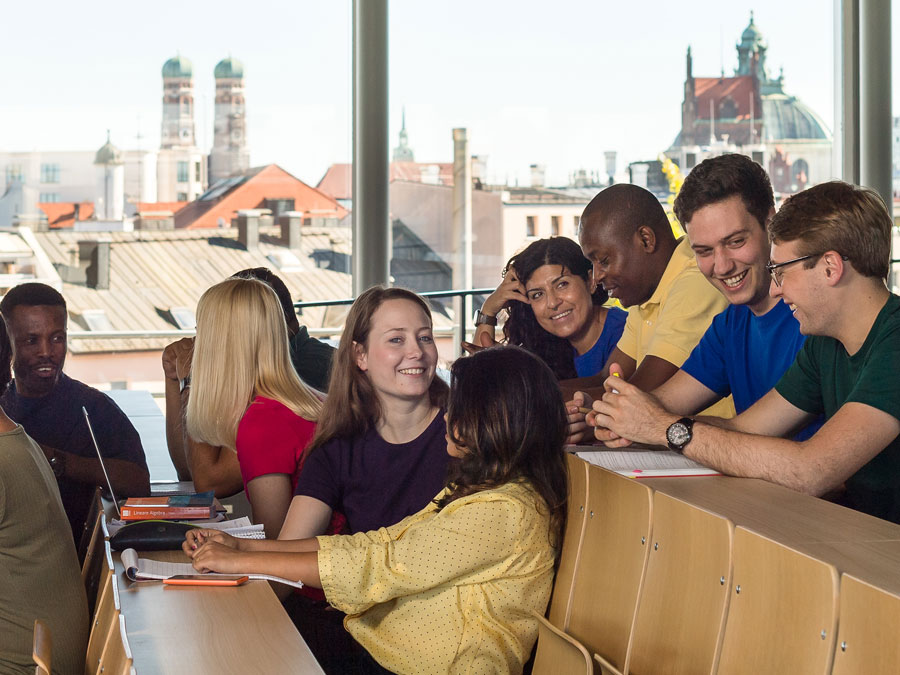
x,y
830,258
724,205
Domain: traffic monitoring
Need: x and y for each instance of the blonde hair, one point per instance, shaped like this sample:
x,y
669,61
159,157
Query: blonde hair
x,y
241,351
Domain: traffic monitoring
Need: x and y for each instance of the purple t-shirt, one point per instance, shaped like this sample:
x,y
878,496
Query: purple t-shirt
x,y
376,483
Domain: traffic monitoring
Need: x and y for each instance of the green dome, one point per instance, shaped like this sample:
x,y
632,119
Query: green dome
x,y
108,154
177,66
229,69
751,34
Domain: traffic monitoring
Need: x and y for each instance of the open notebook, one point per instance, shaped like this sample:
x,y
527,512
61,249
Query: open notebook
x,y
142,569
638,462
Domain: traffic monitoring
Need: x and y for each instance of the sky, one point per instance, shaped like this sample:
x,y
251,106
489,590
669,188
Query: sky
x,y
531,85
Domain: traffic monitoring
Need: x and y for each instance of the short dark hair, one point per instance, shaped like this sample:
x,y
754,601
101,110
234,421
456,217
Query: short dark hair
x,y
838,216
31,294
625,208
6,357
274,282
718,178
507,413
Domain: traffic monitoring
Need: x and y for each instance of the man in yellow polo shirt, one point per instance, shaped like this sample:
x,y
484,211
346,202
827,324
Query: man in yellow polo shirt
x,y
624,232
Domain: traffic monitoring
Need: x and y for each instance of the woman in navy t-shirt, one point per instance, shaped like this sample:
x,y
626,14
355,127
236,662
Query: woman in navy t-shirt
x,y
554,309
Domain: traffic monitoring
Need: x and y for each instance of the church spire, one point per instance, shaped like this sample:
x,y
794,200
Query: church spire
x,y
403,153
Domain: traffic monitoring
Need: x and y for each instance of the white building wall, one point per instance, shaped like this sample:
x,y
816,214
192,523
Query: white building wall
x,y
168,186
515,223
74,179
140,176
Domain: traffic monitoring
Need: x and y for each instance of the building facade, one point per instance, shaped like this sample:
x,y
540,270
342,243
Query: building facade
x,y
751,113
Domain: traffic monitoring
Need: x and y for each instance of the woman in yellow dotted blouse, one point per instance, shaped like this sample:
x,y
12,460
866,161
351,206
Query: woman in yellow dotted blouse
x,y
451,588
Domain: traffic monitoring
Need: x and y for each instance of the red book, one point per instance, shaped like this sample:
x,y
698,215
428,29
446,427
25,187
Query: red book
x,y
175,507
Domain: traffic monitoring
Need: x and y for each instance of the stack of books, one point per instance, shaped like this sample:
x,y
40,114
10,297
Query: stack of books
x,y
200,506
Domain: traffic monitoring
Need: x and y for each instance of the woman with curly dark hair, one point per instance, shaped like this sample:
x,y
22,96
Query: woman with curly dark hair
x,y
554,310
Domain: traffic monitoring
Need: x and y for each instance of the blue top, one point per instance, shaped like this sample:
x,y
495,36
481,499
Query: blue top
x,y
745,355
593,360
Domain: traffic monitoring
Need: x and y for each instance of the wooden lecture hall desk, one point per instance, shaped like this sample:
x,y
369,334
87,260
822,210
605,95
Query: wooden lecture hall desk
x,y
196,630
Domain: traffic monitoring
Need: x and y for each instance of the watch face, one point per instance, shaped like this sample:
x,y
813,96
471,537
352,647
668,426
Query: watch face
x,y
678,434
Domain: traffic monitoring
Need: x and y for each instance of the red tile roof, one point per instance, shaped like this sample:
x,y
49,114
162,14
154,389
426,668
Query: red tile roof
x,y
62,214
258,185
739,89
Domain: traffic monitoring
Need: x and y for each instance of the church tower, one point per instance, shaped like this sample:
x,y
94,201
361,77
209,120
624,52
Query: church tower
x,y
403,153
109,201
178,104
229,152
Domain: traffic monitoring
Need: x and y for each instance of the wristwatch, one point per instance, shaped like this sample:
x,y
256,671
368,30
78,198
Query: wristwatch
x,y
58,464
481,317
679,434
184,384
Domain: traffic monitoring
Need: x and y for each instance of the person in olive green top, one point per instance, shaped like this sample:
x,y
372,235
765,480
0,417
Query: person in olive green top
x,y
39,573
830,258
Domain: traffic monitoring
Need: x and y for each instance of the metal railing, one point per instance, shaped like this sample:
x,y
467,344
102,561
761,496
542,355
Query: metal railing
x,y
461,325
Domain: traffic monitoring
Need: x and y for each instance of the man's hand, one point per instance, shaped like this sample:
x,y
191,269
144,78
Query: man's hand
x,y
577,428
631,414
48,451
176,359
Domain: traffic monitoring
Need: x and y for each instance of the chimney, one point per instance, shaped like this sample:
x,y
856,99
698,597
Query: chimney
x,y
537,175
289,221
248,228
93,257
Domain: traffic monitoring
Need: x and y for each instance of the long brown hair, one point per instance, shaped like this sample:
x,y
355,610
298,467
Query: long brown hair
x,y
352,407
507,414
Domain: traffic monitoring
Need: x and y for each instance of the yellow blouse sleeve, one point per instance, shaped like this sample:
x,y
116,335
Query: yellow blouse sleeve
x,y
471,540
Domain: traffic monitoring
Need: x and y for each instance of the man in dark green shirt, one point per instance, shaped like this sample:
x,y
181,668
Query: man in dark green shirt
x,y
830,258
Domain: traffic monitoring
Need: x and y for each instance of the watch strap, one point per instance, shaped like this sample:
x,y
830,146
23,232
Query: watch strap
x,y
482,318
678,447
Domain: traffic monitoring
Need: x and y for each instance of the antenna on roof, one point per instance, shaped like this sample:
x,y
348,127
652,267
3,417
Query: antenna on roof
x,y
721,52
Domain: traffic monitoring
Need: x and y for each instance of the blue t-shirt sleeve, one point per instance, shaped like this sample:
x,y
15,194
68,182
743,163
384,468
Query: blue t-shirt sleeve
x,y
706,364
319,475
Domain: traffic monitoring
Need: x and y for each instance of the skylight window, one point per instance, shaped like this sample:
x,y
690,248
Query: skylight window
x,y
96,319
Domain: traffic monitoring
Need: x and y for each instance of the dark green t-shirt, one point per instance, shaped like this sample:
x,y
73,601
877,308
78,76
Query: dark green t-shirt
x,y
824,377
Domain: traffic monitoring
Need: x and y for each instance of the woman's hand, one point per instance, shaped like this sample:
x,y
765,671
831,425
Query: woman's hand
x,y
484,338
215,557
576,409
508,291
194,539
